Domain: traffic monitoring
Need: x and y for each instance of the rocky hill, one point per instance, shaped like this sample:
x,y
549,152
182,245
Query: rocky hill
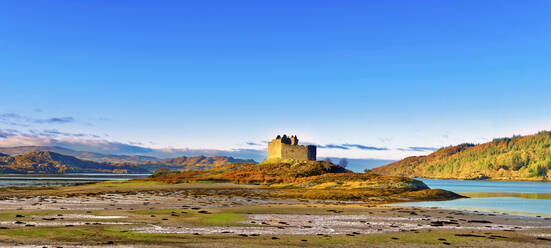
x,y
522,158
55,163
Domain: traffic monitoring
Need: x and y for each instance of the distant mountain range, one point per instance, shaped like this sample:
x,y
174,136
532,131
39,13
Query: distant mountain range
x,y
192,163
55,160
55,163
98,157
360,164
516,158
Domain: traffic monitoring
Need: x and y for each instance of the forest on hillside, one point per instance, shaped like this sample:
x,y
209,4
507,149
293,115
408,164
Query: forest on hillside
x,y
514,158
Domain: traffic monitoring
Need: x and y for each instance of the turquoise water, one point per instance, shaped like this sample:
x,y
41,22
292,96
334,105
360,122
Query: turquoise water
x,y
459,186
509,205
511,197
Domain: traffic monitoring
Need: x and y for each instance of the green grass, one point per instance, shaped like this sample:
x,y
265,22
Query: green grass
x,y
103,234
221,219
192,217
27,213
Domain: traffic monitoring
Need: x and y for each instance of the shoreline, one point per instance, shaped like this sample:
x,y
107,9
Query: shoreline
x,y
486,180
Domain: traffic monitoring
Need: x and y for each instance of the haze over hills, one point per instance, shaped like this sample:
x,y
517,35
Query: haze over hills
x,y
516,158
55,163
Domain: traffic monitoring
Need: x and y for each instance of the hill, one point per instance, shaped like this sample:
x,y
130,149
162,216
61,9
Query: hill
x,y
291,173
309,180
192,163
55,163
149,163
98,157
520,158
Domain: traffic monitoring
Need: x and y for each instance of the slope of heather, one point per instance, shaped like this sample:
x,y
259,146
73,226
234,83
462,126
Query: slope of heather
x,y
294,174
55,163
522,158
306,180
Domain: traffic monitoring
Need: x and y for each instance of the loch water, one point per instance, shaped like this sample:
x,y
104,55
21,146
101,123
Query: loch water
x,y
518,198
21,180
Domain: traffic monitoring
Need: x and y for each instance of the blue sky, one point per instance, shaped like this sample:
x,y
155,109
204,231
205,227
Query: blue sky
x,y
404,77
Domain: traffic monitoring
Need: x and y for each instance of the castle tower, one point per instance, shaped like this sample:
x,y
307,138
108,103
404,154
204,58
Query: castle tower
x,y
294,140
285,147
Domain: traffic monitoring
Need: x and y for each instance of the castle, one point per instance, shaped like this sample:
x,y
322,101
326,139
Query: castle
x,y
288,148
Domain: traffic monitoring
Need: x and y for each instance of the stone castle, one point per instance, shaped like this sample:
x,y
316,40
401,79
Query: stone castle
x,y
288,148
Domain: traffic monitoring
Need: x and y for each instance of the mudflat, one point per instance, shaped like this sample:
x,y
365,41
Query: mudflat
x,y
148,214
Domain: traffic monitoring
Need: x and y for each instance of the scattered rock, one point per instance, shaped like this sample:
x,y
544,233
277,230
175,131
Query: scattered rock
x,y
479,221
469,235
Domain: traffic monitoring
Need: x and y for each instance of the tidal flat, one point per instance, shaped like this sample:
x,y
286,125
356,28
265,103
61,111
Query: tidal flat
x,y
153,214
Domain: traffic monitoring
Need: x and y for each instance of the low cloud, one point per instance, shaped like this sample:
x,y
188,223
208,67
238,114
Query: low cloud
x,y
362,147
25,121
5,133
73,143
52,133
252,144
418,149
334,146
14,119
87,142
349,146
58,120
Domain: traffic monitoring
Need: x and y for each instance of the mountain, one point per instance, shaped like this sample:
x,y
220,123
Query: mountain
x,y
148,163
99,157
55,163
192,163
520,158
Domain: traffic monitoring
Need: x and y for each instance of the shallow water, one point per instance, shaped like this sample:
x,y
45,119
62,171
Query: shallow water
x,y
509,205
459,186
18,180
520,198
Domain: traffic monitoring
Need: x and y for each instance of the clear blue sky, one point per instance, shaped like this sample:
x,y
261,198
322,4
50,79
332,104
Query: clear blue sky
x,y
219,74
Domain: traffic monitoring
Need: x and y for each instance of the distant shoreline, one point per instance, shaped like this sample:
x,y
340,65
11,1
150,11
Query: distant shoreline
x,y
489,179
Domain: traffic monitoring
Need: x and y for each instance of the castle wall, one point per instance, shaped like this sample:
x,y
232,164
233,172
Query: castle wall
x,y
294,152
276,149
